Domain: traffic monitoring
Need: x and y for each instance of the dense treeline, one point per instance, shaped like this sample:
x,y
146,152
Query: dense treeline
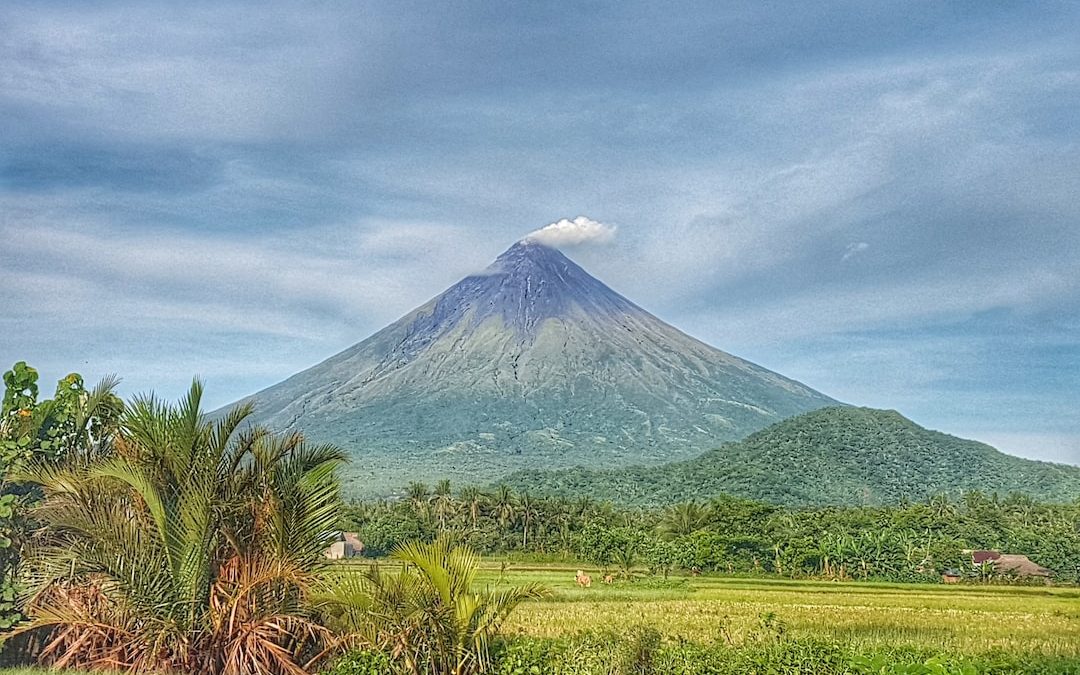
x,y
907,542
840,455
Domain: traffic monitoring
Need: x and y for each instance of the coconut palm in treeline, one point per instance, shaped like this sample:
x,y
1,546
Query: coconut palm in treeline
x,y
472,499
528,513
419,495
183,545
429,617
683,519
505,505
443,502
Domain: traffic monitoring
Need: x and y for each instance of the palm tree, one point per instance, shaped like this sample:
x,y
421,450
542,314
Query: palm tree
x,y
428,617
682,519
472,498
505,505
443,502
584,507
941,507
527,513
419,498
187,545
563,518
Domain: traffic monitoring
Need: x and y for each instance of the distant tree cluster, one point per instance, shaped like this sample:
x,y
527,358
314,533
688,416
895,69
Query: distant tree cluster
x,y
838,455
914,541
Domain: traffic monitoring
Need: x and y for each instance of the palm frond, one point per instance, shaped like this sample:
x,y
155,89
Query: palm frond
x,y
182,544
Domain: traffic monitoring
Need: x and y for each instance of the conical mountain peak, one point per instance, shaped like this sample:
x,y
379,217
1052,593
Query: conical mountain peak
x,y
530,249
529,257
525,286
532,362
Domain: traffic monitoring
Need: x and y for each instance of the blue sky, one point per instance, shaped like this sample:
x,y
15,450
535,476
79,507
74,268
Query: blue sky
x,y
879,199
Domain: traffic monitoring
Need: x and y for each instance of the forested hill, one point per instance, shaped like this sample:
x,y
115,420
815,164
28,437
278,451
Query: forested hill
x,y
836,455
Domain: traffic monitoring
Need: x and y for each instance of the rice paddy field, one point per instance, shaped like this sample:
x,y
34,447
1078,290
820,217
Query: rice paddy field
x,y
955,620
951,621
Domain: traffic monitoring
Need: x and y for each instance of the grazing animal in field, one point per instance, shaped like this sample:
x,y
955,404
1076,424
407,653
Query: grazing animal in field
x,y
608,578
583,580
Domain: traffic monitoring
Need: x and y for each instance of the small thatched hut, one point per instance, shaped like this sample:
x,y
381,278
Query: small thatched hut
x,y
1009,563
346,545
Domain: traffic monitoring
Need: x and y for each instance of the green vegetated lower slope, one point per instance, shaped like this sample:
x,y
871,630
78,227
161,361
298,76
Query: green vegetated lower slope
x,y
836,455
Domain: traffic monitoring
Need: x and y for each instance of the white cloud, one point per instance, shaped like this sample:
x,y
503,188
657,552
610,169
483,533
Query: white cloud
x,y
854,249
580,230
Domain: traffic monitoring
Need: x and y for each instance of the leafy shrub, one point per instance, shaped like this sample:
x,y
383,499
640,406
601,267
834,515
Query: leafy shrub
x,y
883,665
429,616
526,656
639,652
362,662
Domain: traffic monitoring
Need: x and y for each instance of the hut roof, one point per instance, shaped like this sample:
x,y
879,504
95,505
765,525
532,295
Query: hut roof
x,y
1020,565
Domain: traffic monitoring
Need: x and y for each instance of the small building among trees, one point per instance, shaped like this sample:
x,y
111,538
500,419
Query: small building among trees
x,y
951,576
347,545
1009,564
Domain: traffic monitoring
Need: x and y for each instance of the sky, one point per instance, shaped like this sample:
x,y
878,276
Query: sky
x,y
879,199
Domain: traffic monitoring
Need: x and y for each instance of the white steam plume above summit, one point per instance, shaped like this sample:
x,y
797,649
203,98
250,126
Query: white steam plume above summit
x,y
580,230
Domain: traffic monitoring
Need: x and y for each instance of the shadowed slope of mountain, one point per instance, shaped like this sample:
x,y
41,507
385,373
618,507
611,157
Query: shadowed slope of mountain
x,y
532,363
839,455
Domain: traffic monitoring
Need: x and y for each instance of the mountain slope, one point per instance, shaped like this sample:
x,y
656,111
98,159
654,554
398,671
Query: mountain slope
x,y
533,363
838,455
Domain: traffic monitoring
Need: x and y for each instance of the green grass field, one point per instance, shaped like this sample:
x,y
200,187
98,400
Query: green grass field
x,y
965,619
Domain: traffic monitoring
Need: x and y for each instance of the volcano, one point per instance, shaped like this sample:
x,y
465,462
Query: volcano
x,y
533,363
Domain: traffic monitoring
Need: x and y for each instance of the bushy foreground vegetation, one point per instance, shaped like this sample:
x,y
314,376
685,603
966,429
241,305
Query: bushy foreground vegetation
x,y
428,618
149,537
906,542
159,540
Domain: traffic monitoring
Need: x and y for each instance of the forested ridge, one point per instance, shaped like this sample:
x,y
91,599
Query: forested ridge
x,y
836,455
